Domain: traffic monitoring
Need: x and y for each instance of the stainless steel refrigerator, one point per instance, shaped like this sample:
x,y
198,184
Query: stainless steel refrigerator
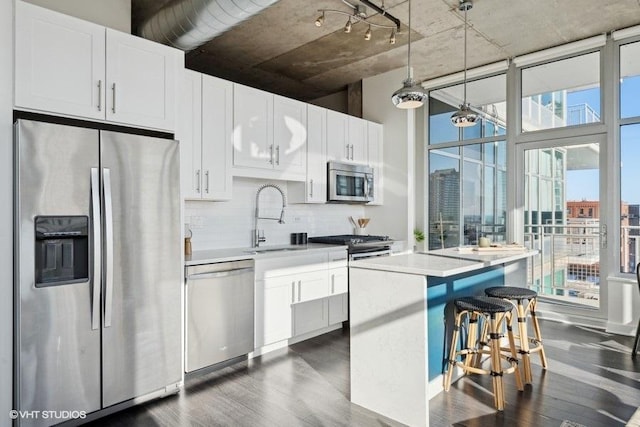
x,y
98,269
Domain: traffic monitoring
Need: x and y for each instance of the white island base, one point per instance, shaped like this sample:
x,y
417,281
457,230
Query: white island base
x,y
389,365
399,326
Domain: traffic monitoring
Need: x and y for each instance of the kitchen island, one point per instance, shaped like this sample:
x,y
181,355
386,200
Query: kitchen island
x,y
400,317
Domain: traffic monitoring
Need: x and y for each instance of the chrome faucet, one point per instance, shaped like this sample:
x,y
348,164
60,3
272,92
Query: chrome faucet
x,y
257,237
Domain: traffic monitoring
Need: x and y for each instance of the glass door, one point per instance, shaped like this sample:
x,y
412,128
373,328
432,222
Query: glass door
x,y
563,219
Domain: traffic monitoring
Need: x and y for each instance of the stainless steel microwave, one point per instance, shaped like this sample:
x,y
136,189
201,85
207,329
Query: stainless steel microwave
x,y
349,183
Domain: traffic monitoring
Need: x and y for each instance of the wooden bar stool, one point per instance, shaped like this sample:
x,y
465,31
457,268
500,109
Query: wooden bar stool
x,y
520,295
494,312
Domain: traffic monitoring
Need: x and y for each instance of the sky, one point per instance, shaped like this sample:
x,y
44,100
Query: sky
x,y
585,184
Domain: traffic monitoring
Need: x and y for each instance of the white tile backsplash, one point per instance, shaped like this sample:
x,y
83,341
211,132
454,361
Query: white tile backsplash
x,y
218,225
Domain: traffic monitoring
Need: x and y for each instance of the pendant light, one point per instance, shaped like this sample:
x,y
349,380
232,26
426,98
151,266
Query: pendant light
x,y
464,117
411,94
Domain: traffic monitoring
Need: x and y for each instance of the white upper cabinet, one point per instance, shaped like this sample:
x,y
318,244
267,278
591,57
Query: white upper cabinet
x,y
357,139
189,133
253,128
338,147
204,130
314,188
71,67
290,134
217,138
140,81
269,135
316,184
59,63
346,138
375,138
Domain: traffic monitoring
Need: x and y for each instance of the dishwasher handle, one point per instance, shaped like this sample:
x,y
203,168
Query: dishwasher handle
x,y
224,273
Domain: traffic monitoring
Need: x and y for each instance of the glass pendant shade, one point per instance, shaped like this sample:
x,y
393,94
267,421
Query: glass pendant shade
x,y
410,95
464,117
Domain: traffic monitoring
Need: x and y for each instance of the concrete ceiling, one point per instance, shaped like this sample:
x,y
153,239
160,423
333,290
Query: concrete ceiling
x,y
282,51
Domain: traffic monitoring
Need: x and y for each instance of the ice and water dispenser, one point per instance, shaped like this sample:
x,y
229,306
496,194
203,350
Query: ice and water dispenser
x,y
62,250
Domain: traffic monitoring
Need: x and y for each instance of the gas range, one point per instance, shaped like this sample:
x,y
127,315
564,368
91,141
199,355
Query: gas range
x,y
359,246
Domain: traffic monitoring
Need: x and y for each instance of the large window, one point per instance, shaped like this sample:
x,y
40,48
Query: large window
x,y
467,194
467,180
630,80
561,93
629,153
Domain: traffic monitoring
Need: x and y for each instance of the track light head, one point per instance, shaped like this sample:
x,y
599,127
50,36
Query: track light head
x,y
367,35
320,20
392,38
347,27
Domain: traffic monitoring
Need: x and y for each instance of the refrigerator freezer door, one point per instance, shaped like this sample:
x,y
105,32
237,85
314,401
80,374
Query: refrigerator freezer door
x,y
58,353
142,345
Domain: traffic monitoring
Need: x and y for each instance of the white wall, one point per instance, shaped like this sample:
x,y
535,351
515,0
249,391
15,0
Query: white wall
x,y
114,14
218,225
396,216
6,209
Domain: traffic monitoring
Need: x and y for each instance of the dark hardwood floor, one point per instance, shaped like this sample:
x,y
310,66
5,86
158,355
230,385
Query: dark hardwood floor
x,y
591,381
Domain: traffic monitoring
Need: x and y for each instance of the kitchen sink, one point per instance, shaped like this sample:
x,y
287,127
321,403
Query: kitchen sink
x,y
275,249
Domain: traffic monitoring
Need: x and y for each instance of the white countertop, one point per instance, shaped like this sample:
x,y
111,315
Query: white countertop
x,y
488,258
440,263
235,254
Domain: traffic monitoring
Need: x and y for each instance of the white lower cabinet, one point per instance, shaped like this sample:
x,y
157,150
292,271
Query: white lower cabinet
x,y
310,316
338,308
338,280
273,310
310,286
296,295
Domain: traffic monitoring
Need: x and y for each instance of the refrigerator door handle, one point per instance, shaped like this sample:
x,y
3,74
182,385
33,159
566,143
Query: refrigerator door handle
x,y
97,229
108,256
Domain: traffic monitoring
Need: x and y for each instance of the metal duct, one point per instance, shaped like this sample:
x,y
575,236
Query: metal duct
x,y
187,24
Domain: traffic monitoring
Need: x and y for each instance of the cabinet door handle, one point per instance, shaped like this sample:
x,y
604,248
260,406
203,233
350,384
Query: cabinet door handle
x,y
206,181
198,181
333,284
271,154
113,91
347,151
278,155
293,292
311,188
351,151
299,290
99,95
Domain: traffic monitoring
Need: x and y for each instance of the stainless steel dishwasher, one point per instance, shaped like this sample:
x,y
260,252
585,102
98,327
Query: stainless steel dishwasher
x,y
219,312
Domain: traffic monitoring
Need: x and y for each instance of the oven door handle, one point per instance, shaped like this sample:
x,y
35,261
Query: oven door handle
x,y
385,252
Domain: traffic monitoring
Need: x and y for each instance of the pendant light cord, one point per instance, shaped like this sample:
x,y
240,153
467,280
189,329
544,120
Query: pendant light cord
x,y
464,102
409,46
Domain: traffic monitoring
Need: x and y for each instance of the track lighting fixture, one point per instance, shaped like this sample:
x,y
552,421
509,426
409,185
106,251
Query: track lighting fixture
x,y
464,117
347,27
359,14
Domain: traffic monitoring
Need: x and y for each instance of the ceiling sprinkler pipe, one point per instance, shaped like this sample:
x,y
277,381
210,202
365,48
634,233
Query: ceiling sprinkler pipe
x,y
188,24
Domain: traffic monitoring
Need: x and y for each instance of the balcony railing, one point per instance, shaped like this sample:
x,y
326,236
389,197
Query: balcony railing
x,y
629,248
568,264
